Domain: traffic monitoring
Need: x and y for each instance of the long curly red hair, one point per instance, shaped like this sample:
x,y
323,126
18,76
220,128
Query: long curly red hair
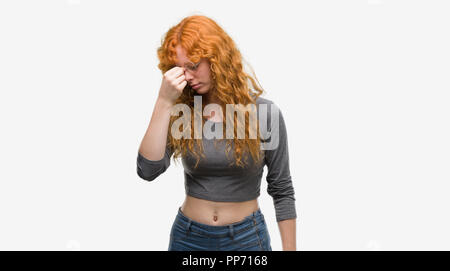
x,y
202,37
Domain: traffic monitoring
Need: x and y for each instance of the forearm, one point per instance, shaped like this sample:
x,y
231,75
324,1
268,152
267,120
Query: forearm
x,y
153,144
288,234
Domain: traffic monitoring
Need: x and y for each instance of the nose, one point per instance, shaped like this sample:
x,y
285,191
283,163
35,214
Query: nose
x,y
188,75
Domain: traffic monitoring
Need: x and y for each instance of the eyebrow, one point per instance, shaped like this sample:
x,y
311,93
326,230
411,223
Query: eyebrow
x,y
189,62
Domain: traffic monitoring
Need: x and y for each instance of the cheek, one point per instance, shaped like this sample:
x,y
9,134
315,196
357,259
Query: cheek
x,y
208,75
205,76
204,73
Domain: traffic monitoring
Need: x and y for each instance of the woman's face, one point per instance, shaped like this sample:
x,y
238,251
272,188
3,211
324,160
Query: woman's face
x,y
201,75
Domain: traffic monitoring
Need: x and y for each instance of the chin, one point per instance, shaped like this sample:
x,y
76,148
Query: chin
x,y
202,90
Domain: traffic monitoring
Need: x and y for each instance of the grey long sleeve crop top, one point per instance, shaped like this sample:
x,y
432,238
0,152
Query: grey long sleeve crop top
x,y
215,180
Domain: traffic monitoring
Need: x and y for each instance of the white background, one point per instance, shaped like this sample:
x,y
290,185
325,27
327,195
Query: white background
x,y
363,87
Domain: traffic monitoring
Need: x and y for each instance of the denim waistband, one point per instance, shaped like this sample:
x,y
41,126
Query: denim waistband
x,y
223,230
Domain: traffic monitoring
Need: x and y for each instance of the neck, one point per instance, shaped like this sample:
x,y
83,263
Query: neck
x,y
210,98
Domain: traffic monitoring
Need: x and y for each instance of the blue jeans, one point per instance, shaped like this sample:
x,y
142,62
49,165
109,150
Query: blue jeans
x,y
248,234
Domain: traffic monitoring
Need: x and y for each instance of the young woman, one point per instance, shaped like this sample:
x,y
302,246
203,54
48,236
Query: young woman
x,y
220,212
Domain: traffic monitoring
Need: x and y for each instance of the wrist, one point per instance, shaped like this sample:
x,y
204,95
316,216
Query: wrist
x,y
161,102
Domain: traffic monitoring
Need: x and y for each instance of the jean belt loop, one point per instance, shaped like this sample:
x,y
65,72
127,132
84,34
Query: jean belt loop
x,y
231,231
188,227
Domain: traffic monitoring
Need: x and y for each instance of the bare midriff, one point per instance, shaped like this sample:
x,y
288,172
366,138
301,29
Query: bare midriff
x,y
217,213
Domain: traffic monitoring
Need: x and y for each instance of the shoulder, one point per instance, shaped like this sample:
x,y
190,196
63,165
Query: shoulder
x,y
270,118
272,127
260,100
266,108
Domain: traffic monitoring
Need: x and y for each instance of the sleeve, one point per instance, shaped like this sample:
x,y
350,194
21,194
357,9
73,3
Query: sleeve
x,y
150,169
279,182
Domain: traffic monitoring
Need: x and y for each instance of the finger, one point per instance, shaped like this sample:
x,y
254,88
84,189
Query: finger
x,y
180,72
180,79
175,71
183,84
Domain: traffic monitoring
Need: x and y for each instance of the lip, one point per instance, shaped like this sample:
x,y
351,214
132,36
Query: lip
x,y
196,86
